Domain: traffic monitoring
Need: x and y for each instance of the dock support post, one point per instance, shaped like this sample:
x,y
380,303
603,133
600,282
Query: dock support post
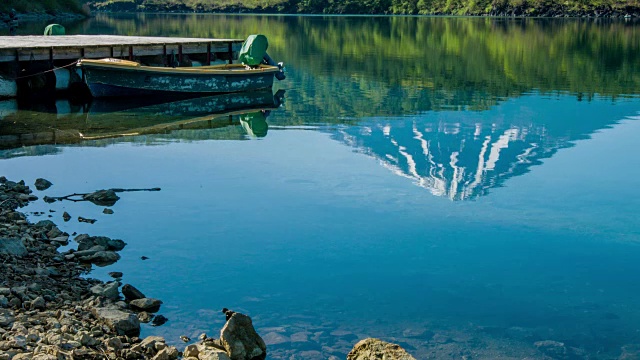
x,y
180,53
131,53
164,54
230,53
208,54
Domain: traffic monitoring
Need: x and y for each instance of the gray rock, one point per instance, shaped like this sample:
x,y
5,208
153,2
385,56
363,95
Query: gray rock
x,y
121,322
159,320
86,220
6,318
102,197
211,353
38,303
191,350
144,317
104,258
85,339
240,339
100,258
373,349
150,344
12,247
131,293
4,302
108,290
42,184
116,245
86,242
107,211
47,224
5,291
62,239
65,216
116,274
114,343
146,304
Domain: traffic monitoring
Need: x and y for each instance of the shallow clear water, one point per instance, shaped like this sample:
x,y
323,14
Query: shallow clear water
x,y
466,197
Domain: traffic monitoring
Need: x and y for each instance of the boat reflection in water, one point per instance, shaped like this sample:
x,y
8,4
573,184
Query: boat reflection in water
x,y
62,122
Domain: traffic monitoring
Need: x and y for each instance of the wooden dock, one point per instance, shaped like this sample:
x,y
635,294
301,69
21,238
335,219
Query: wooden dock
x,y
64,47
20,55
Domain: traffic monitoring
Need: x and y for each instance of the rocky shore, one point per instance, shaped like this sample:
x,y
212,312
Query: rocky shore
x,y
48,310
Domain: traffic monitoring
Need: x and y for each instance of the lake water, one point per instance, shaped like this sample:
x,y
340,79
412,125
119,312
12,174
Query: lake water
x,y
463,187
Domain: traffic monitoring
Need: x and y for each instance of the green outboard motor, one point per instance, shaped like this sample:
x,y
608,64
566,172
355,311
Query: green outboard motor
x,y
253,50
254,53
54,29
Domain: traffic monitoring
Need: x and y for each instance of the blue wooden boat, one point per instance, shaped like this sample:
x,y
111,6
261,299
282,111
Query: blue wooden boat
x,y
114,77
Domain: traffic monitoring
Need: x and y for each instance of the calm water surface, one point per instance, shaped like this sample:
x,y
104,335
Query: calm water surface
x,y
463,187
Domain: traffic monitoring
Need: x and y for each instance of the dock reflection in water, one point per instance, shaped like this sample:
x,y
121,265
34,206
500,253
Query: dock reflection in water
x,y
63,122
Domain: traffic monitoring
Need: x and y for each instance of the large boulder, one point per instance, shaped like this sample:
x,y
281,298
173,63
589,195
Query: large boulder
x,y
240,339
376,349
123,323
108,290
12,247
131,293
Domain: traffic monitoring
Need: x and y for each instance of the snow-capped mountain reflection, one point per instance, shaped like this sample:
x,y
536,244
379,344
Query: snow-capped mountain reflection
x,y
462,155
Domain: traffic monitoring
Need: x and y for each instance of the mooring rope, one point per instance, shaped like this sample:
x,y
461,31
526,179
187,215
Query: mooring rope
x,y
43,72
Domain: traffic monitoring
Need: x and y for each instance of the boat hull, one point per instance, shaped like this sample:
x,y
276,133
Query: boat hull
x,y
110,80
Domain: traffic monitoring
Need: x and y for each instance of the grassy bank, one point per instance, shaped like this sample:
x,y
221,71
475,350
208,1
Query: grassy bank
x,y
595,8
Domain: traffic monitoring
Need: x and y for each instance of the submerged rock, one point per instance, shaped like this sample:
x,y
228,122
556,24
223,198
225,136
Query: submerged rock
x,y
240,339
42,184
376,349
554,349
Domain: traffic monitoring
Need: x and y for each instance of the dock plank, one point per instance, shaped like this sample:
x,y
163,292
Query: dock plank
x,y
40,41
39,47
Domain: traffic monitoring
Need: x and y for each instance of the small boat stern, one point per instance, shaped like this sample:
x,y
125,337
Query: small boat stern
x,y
254,53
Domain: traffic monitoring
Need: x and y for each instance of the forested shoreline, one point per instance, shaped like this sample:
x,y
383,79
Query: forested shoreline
x,y
627,9
537,8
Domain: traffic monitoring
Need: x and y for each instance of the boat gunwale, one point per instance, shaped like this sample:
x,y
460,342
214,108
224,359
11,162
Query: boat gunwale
x,y
224,69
